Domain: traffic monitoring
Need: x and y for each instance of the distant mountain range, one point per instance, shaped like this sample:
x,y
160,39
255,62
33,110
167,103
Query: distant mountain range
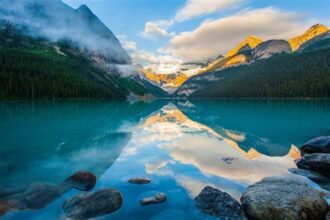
x,y
272,69
49,50
249,51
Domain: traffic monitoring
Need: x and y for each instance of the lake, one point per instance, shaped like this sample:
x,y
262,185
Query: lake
x,y
182,146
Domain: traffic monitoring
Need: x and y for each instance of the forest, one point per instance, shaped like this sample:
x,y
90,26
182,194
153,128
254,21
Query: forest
x,y
36,68
295,75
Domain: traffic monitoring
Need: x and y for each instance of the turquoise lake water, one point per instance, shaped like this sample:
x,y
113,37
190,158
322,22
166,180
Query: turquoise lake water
x,y
181,146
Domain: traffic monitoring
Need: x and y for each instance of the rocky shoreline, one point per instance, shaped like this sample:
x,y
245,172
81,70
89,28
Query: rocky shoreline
x,y
276,197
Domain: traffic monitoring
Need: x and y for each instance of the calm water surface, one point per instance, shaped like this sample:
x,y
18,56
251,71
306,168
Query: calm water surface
x,y
180,146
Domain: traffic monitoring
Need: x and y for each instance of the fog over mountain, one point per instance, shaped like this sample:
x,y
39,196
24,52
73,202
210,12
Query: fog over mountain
x,y
54,20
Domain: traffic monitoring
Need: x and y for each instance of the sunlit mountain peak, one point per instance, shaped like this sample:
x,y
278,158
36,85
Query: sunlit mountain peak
x,y
312,32
250,41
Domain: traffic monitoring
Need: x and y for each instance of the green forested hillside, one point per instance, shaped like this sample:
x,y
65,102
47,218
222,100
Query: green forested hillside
x,y
35,68
304,74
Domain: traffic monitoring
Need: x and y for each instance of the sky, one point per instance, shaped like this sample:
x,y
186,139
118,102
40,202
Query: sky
x,y
162,34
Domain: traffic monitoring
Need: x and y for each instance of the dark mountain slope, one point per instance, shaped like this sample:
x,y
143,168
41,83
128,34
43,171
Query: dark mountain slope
x,y
34,68
285,75
54,20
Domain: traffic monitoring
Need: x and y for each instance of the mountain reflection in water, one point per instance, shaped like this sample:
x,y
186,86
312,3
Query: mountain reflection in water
x,y
181,147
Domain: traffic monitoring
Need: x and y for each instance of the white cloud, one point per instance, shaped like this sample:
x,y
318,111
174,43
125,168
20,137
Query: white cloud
x,y
194,8
216,37
160,63
156,29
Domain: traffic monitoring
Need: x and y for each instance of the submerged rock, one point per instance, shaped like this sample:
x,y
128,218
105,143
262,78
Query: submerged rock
x,y
93,204
217,203
81,180
328,216
158,198
4,207
317,162
138,180
38,195
316,145
35,196
283,198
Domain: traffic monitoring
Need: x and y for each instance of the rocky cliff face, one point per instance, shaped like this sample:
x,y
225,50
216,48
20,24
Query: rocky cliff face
x,y
311,33
270,48
56,21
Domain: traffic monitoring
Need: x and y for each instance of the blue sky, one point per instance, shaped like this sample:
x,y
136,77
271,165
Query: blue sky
x,y
172,31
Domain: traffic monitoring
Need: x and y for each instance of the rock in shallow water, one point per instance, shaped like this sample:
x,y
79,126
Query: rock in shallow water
x,y
217,203
318,178
315,176
328,216
158,198
316,162
81,180
283,198
38,195
316,145
4,207
93,204
138,180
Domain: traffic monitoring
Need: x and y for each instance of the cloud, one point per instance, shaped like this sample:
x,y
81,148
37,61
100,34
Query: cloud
x,y
156,29
216,37
158,62
194,8
127,44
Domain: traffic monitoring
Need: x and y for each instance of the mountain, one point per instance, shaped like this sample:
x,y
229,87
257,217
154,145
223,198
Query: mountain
x,y
248,43
54,20
168,82
318,42
311,33
241,54
49,50
285,75
270,48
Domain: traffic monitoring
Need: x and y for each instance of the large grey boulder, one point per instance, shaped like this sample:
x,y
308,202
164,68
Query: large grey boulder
x,y
317,162
220,204
316,145
93,204
276,198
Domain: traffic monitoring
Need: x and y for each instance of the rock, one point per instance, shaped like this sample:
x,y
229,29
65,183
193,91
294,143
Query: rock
x,y
217,203
327,217
283,198
7,192
138,180
93,204
316,145
317,162
158,198
4,207
38,195
34,196
268,48
81,180
314,176
318,178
